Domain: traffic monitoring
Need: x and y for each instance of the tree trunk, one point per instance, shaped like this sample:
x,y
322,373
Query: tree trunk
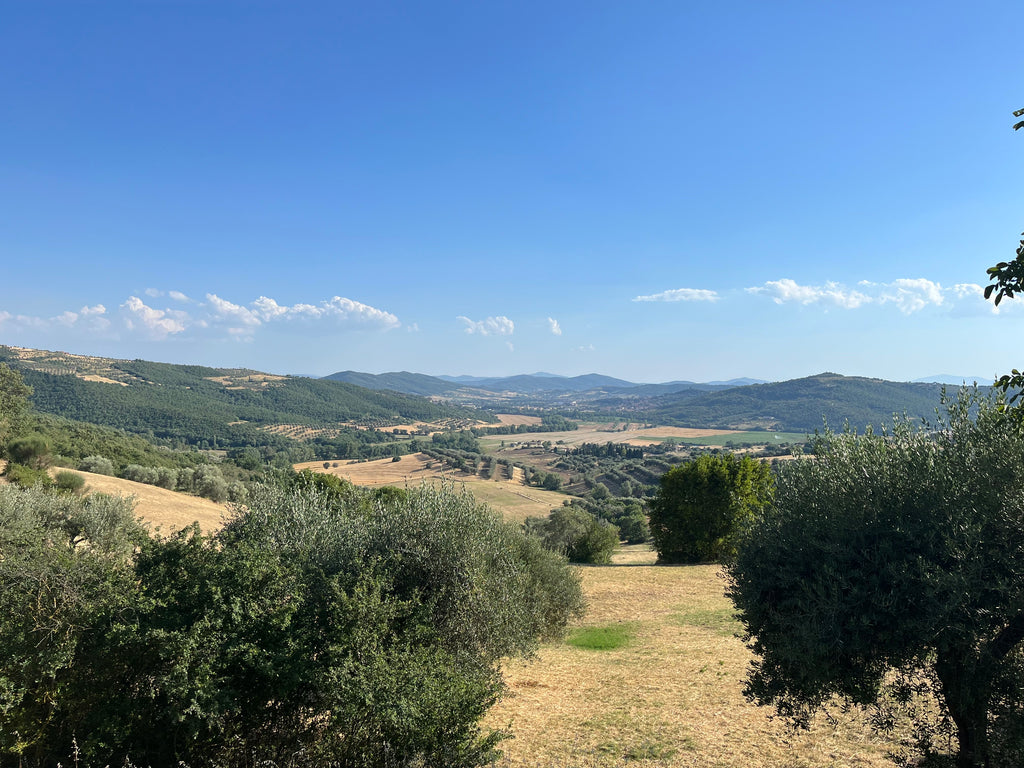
x,y
966,690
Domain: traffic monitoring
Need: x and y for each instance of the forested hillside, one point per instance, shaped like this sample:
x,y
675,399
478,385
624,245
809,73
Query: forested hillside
x,y
800,404
192,403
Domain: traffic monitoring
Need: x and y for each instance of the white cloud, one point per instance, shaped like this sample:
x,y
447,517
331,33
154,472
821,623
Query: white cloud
x,y
554,327
153,293
786,290
225,309
908,295
353,311
492,326
681,294
237,320
159,322
967,290
911,294
87,317
265,310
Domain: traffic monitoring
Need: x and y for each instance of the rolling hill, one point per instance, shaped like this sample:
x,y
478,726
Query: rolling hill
x,y
193,403
800,404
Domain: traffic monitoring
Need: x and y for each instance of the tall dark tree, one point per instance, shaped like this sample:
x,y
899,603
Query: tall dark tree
x,y
702,505
890,565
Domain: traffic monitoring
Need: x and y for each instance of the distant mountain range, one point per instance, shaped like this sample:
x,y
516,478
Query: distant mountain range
x,y
956,381
234,407
804,404
523,384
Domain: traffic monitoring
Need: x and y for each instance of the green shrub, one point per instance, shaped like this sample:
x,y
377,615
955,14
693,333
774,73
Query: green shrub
x,y
99,465
703,506
69,481
31,450
321,626
25,476
577,534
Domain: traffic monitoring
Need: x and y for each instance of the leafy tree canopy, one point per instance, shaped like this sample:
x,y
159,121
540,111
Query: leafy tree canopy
x,y
323,625
890,565
702,505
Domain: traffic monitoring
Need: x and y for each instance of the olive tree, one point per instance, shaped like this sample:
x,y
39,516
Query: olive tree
x,y
891,564
323,625
700,507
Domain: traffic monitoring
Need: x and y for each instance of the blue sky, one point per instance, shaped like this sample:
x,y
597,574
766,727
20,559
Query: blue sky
x,y
651,190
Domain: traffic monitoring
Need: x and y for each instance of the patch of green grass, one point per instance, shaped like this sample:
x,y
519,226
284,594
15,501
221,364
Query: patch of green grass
x,y
604,638
721,621
644,750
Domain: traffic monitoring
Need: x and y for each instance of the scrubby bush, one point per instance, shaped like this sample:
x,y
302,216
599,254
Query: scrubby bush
x,y
166,477
186,480
140,474
577,534
99,465
25,476
209,483
321,626
32,451
69,481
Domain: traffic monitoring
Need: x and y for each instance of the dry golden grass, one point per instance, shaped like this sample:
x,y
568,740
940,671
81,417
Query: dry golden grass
x,y
511,498
168,510
605,433
103,380
515,418
670,698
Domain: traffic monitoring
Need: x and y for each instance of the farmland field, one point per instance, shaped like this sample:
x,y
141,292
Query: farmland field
x,y
621,432
510,497
158,507
754,437
670,697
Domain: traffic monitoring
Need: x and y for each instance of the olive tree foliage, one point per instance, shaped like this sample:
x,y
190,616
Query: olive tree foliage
x,y
888,566
702,506
324,625
577,534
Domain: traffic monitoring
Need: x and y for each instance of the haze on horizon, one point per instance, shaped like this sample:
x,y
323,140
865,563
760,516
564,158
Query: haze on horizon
x,y
654,192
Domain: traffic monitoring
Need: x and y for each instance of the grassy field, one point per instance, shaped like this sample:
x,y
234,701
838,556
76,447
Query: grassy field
x,y
160,508
650,677
669,694
754,437
167,510
513,499
611,432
